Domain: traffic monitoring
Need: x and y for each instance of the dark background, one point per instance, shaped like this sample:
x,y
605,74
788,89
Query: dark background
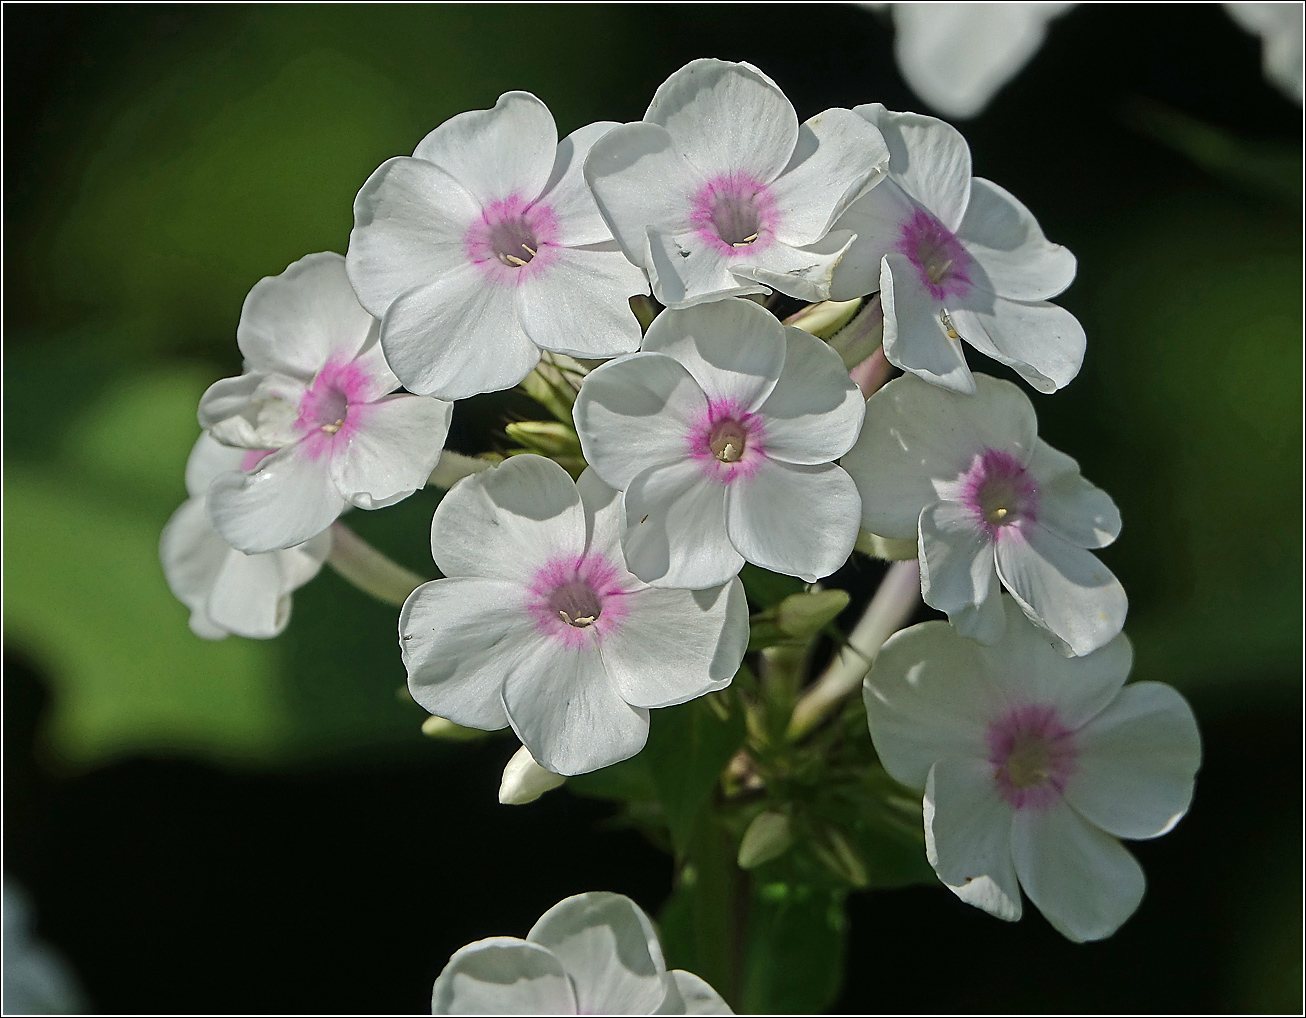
x,y
249,827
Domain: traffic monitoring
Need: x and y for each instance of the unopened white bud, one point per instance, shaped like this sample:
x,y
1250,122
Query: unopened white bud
x,y
525,781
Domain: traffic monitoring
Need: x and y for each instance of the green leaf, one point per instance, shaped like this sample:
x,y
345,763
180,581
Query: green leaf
x,y
628,781
765,588
795,949
688,746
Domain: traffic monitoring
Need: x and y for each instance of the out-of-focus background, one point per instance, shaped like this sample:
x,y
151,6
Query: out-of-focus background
x,y
260,827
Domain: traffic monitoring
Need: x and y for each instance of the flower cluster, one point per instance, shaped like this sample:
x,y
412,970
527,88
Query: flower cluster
x,y
595,578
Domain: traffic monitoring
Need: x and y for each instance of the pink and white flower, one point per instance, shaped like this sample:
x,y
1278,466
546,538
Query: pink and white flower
x,y
719,191
226,590
594,953
317,391
539,625
1033,765
956,257
485,247
969,478
722,432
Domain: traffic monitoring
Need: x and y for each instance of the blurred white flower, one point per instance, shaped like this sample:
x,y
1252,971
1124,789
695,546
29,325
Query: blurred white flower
x,y
486,246
36,980
720,192
226,590
1033,765
956,257
539,625
722,432
315,389
1280,27
970,479
594,953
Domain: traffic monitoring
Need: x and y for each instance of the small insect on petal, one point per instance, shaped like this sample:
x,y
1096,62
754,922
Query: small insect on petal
x,y
946,319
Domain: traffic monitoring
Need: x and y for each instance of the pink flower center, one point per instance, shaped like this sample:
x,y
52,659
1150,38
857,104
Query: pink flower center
x,y
577,599
1033,756
735,213
512,239
332,407
999,491
944,265
727,441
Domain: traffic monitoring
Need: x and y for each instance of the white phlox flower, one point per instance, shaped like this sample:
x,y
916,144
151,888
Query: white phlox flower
x,y
956,56
226,590
485,247
1033,765
956,257
719,191
969,478
317,390
539,625
722,432
594,953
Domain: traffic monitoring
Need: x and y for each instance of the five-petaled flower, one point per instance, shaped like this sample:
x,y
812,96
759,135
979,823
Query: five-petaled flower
x,y
722,432
1033,765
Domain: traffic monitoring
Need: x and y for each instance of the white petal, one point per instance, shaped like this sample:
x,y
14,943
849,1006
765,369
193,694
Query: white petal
x,y
877,219
1061,587
460,640
246,597
1029,666
1043,342
1068,505
802,272
609,948
929,696
635,412
304,561
566,194
580,303
391,450
192,553
814,414
1280,27
735,349
503,975
495,153
674,645
676,528
838,155
956,56
916,434
688,994
1005,238
253,411
1083,880
915,338
726,117
1136,763
603,520
956,556
639,182
410,224
287,500
295,322
984,622
566,711
507,522
207,459
685,270
457,337
371,372
794,519
968,836
929,159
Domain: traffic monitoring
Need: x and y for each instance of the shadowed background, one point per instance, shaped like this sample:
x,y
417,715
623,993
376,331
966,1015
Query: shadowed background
x,y
246,827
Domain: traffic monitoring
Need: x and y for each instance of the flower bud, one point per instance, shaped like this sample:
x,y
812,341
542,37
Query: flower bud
x,y
836,854
548,438
823,320
454,466
443,728
768,837
525,781
862,336
888,548
803,615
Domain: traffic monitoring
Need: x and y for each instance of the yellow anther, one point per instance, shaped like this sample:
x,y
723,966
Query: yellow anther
x,y
999,513
331,429
745,242
528,250
514,260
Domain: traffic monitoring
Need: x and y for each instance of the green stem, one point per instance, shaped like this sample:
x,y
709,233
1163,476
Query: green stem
x,y
369,570
720,903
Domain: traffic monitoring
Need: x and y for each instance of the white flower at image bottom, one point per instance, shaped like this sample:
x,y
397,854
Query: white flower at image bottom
x,y
989,501
226,590
719,191
721,432
317,390
539,625
1033,765
594,953
955,257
